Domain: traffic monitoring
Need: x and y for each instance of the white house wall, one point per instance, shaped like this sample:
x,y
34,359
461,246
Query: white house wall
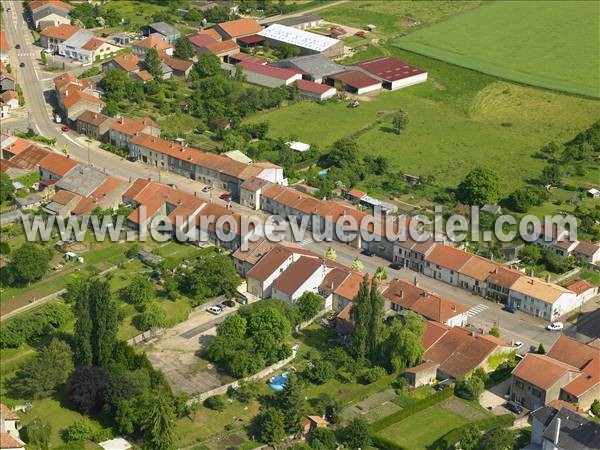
x,y
405,82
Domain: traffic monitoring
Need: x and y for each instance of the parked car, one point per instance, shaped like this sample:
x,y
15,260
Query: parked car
x,y
216,309
395,266
517,345
65,128
229,303
18,46
509,308
514,407
22,64
172,185
368,252
225,196
555,326
207,189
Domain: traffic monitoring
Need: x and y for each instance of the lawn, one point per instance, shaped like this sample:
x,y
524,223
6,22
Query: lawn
x,y
423,428
458,120
543,43
388,16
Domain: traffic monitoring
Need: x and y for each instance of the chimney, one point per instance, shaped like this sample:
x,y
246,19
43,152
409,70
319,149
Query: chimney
x,y
557,431
401,293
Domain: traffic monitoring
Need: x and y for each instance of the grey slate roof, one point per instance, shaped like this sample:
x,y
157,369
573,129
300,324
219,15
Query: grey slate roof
x,y
316,65
576,432
164,28
82,180
29,200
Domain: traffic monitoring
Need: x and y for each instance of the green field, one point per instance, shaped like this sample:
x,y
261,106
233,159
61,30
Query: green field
x,y
388,16
550,44
458,120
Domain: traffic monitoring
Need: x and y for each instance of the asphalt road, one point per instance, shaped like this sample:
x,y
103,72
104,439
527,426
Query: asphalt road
x,y
34,82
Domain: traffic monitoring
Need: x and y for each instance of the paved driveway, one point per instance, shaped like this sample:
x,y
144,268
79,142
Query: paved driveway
x,y
493,399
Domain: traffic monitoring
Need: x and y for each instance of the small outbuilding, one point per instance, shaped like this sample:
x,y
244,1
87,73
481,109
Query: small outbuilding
x,y
425,373
594,193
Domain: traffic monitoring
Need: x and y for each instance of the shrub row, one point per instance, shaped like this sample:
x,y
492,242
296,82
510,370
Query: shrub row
x,y
385,443
412,409
42,321
452,437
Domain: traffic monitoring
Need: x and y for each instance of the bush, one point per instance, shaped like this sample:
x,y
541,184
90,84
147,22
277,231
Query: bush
x,y
453,436
42,322
470,388
79,431
323,439
215,402
372,375
320,372
596,408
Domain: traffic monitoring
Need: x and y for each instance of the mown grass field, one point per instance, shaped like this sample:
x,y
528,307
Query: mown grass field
x,y
458,120
550,44
388,16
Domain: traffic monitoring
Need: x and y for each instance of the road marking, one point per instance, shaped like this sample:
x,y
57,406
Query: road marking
x,y
38,129
66,136
476,310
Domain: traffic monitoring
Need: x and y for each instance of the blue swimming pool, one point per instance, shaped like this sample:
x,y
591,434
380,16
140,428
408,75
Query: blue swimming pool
x,y
279,382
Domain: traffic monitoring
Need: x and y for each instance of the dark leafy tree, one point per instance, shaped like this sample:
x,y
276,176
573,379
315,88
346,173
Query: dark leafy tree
x,y
595,408
218,14
469,388
292,403
469,437
330,407
211,276
153,64
207,65
153,316
481,186
356,434
38,433
86,386
193,15
497,439
184,48
375,322
361,315
399,121
320,371
309,304
540,349
139,291
323,439
40,376
216,402
271,425
7,189
29,263
551,175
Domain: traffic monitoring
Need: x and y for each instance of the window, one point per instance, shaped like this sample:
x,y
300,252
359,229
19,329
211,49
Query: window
x,y
536,393
520,384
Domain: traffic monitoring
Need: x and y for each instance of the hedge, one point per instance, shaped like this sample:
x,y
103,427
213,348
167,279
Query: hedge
x,y
42,321
452,437
385,443
412,409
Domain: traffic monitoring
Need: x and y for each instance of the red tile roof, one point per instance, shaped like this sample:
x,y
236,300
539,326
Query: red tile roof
x,y
144,75
269,263
128,62
315,88
355,79
249,58
131,126
9,95
75,96
211,32
541,370
573,352
296,274
153,42
93,44
177,64
589,378
57,164
8,442
219,48
63,31
7,413
251,39
18,146
201,40
580,286
448,257
93,118
348,289
36,4
389,68
274,72
240,27
4,46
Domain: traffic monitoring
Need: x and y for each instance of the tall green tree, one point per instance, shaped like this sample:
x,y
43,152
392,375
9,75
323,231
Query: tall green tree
x,y
82,336
292,403
481,186
207,65
309,304
7,189
399,121
356,434
139,291
38,433
159,423
361,315
376,321
271,425
184,48
153,64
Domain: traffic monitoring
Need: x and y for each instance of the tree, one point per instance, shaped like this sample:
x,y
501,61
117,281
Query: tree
x,y
320,371
29,263
159,423
344,153
329,407
380,273
331,254
595,408
495,331
524,198
551,175
361,314
469,388
86,386
373,374
271,425
309,304
139,291
403,346
153,316
322,439
357,265
497,439
356,434
540,349
207,65
79,431
38,433
183,47
215,402
40,376
376,320
469,437
96,326
481,186
287,51
399,121
153,64
211,276
7,189
293,404
193,15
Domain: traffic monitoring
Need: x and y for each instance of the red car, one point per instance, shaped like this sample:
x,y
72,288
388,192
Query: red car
x,y
65,128
225,196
